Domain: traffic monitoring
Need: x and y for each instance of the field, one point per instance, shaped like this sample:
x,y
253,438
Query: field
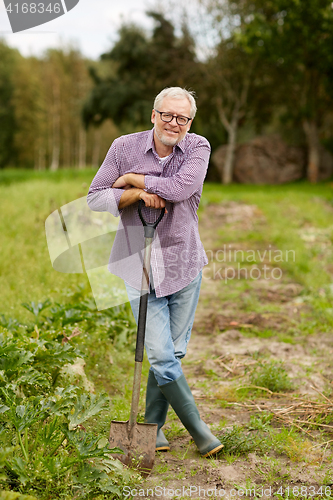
x,y
259,361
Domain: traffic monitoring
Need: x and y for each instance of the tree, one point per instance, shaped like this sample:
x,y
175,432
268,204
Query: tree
x,y
9,59
66,82
231,72
296,37
41,101
140,66
230,76
26,100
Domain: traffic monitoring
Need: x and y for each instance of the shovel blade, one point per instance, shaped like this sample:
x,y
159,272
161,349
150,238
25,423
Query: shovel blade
x,y
138,444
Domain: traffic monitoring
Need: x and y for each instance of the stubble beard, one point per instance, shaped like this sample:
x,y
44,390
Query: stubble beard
x,y
164,140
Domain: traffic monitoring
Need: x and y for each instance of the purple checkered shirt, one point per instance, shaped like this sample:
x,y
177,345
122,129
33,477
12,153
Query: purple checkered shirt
x,y
177,252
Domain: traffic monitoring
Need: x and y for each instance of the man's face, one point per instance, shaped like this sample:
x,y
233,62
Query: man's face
x,y
171,133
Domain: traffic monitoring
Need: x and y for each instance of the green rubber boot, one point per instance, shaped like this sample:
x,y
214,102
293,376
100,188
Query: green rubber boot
x,y
181,399
156,411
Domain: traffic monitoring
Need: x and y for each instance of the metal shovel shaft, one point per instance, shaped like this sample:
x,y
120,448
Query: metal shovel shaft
x,y
140,338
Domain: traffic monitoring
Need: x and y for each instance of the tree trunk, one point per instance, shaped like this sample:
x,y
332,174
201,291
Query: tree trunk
x,y
55,157
67,146
40,163
96,147
228,167
82,148
231,127
311,132
56,129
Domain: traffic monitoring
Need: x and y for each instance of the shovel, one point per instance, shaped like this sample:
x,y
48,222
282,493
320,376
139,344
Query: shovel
x,y
137,440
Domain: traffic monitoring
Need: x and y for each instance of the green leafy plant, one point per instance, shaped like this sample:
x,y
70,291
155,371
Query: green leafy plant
x,y
45,449
118,321
271,375
237,441
36,309
261,422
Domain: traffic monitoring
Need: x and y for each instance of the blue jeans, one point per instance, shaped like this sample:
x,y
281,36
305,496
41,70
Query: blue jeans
x,y
168,328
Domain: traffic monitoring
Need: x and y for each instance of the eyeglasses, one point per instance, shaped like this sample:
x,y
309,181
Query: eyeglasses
x,y
168,117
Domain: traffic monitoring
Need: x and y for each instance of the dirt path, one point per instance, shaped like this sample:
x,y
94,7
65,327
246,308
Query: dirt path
x,y
242,325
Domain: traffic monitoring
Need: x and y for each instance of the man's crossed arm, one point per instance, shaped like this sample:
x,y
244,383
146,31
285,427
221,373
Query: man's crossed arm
x,y
134,185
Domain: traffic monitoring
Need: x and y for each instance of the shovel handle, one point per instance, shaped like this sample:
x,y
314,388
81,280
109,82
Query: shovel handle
x,y
149,234
149,228
146,224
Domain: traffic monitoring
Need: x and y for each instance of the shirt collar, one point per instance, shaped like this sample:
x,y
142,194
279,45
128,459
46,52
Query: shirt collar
x,y
150,143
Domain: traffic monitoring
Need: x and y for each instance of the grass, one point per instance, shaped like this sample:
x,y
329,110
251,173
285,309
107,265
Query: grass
x,y
261,436
271,375
25,268
286,209
236,441
17,175
288,214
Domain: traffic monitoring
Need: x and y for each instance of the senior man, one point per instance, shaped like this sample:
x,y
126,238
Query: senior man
x,y
164,167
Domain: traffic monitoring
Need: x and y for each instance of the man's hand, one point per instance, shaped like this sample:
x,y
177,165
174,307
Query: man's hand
x,y
133,195
152,200
134,186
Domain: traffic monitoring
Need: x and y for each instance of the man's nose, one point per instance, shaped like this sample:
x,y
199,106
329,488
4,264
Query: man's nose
x,y
174,118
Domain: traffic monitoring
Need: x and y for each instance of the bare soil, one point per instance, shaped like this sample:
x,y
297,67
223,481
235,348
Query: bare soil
x,y
227,341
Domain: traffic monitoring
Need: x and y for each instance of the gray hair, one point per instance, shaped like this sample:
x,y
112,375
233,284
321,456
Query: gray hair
x,y
177,93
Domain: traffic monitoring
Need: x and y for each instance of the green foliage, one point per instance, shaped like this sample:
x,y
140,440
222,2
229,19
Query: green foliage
x,y
142,66
8,65
86,407
121,325
44,446
289,442
237,441
260,422
268,63
271,375
35,120
298,32
295,41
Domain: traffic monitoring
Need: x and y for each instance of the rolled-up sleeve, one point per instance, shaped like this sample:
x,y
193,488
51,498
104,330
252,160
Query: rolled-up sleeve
x,y
187,180
101,196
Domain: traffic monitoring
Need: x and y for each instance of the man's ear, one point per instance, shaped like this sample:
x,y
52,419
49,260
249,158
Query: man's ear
x,y
189,125
153,116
